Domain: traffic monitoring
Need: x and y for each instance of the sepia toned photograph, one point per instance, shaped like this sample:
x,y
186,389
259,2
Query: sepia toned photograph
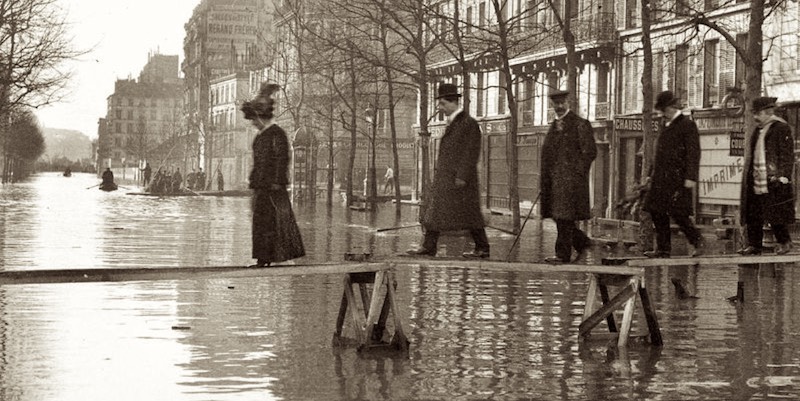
x,y
455,200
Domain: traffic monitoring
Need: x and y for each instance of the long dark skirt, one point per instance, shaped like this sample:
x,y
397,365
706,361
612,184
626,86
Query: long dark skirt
x,y
276,237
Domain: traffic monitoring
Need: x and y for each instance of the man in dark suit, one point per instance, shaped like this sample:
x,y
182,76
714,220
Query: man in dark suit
x,y
672,177
767,193
454,197
567,155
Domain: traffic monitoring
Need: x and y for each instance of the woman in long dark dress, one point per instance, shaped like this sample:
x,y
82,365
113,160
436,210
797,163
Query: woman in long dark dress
x,y
276,237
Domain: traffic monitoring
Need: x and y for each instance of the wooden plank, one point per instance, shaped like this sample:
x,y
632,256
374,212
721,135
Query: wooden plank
x,y
399,340
362,289
522,267
707,260
627,315
356,310
40,276
592,321
612,324
650,317
591,296
342,315
376,306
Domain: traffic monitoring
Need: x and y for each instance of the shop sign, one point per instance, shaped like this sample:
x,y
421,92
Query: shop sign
x,y
736,143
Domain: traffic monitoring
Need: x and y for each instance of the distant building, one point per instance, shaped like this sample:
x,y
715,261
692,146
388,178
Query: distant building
x,y
229,138
143,115
222,37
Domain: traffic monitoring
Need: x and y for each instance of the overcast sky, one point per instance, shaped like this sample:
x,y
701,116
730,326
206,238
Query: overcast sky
x,y
120,33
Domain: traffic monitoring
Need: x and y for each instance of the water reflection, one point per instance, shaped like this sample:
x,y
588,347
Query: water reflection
x,y
474,335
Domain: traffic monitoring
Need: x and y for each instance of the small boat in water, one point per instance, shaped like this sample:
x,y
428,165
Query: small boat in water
x,y
108,186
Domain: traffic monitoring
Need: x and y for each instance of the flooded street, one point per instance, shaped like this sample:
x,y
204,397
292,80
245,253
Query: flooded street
x,y
474,335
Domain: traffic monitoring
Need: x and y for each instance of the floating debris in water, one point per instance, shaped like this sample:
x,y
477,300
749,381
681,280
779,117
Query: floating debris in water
x,y
181,328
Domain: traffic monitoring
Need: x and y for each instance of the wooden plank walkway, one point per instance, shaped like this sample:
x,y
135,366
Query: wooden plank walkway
x,y
370,307
705,260
9,277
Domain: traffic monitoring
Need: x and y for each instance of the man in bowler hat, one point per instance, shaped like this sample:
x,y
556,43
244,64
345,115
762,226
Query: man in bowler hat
x,y
454,197
672,177
567,155
767,193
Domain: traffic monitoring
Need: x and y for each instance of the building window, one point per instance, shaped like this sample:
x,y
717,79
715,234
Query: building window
x,y
482,14
117,128
681,78
469,19
118,113
130,102
130,114
710,72
130,128
527,101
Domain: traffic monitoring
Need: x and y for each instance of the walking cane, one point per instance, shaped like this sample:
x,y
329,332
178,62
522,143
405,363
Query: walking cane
x,y
516,239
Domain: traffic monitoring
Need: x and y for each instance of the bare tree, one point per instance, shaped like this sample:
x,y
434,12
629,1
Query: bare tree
x,y
33,47
25,145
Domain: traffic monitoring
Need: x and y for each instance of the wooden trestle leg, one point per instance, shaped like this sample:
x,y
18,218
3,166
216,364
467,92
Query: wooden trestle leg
x,y
632,287
370,323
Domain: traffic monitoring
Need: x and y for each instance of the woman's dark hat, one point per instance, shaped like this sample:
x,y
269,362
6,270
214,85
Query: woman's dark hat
x,y
666,99
556,95
447,90
262,105
763,102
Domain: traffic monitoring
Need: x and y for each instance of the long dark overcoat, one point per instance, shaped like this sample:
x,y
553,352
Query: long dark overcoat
x,y
452,208
567,156
677,159
779,150
276,237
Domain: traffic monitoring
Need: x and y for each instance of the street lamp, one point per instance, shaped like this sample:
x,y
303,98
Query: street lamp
x,y
371,115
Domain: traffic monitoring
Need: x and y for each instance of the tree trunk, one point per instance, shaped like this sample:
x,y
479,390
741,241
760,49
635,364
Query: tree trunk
x,y
424,137
329,198
754,62
353,131
572,58
646,230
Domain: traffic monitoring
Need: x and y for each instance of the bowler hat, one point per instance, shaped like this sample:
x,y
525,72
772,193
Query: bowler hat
x,y
558,94
447,90
666,99
763,102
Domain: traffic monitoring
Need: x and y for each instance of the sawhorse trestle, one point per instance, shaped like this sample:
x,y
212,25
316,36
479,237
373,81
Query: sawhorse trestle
x,y
369,311
631,288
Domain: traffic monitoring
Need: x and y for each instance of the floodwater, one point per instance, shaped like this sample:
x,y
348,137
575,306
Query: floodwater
x,y
474,336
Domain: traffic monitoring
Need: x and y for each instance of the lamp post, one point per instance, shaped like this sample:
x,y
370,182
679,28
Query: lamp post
x,y
372,188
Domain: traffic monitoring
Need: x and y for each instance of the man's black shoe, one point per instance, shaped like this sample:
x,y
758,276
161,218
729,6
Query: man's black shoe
x,y
749,251
554,260
420,252
476,254
582,253
656,254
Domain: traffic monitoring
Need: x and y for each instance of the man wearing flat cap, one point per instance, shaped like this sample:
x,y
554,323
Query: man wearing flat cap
x,y
766,184
567,155
454,197
672,176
